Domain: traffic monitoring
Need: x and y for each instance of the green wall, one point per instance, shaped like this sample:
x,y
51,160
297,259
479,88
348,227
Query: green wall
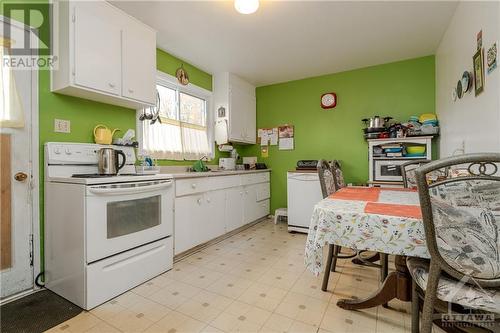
x,y
398,89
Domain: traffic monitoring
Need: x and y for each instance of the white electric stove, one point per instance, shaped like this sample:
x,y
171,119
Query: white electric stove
x,y
103,234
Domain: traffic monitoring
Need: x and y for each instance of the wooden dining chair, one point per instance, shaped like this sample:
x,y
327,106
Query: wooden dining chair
x,y
331,180
408,172
461,216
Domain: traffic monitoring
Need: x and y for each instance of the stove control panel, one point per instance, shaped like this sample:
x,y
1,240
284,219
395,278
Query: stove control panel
x,y
80,153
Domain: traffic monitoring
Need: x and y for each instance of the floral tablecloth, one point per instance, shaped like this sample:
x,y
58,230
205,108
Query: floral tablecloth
x,y
386,220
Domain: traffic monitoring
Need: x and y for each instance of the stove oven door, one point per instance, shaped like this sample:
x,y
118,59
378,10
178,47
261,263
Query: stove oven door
x,y
123,216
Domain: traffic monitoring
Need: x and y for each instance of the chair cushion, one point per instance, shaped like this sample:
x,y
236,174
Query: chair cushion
x,y
454,291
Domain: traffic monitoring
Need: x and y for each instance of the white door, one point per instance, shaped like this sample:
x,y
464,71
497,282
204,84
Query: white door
x,y
236,116
139,63
16,182
188,212
250,119
250,204
213,225
120,218
234,208
97,48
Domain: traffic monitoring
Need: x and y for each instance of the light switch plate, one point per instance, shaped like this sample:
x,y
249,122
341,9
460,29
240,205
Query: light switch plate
x,y
62,126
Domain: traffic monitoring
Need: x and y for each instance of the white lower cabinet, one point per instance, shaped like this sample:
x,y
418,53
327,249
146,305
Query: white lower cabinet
x,y
256,202
200,217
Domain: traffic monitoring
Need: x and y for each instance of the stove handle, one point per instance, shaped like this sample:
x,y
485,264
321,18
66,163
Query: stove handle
x,y
129,190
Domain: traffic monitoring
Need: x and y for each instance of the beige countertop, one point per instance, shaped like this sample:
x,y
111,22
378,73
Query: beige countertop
x,y
178,174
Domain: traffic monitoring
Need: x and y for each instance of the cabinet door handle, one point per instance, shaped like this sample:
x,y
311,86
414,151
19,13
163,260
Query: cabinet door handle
x,y
193,185
199,201
131,91
241,192
208,200
111,85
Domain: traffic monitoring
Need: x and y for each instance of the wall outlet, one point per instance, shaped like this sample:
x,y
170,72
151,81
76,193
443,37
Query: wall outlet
x,y
62,126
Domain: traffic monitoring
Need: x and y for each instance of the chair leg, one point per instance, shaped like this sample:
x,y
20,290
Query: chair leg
x,y
336,251
430,297
415,311
326,276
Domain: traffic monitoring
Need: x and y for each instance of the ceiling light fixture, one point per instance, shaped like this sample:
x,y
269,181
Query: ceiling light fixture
x,y
246,6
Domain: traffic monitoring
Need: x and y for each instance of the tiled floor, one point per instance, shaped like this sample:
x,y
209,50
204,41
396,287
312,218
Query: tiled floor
x,y
254,281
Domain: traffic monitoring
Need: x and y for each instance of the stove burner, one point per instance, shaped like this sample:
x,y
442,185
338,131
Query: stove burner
x,y
97,175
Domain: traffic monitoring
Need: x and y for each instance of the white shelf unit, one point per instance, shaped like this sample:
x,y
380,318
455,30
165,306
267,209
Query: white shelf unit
x,y
417,140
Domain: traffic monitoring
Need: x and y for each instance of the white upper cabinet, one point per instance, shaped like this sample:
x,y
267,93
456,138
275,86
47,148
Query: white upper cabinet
x,y
104,55
138,63
97,48
237,97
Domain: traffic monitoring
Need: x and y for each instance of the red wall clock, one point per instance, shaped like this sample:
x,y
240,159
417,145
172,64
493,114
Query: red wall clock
x,y
328,100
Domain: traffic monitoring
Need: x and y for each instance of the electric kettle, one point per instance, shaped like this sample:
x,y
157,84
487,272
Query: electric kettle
x,y
103,135
107,159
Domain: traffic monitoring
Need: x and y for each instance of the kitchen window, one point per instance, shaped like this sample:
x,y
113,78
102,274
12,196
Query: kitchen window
x,y
184,131
11,111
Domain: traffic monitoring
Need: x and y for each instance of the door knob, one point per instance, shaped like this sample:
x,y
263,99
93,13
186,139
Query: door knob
x,y
20,176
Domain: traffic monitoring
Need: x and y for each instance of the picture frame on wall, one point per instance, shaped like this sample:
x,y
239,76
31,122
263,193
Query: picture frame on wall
x,y
478,62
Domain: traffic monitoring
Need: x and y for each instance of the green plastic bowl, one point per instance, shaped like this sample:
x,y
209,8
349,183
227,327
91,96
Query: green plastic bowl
x,y
415,149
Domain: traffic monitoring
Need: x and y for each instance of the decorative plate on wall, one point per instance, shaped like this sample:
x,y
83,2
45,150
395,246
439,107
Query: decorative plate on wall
x,y
460,91
182,76
466,82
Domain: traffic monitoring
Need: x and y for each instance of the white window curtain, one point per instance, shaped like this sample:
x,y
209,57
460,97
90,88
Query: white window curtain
x,y
11,112
183,133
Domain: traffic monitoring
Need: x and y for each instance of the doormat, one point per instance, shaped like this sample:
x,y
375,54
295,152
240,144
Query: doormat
x,y
36,313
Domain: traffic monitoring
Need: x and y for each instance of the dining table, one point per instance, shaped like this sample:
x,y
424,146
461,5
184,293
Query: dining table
x,y
381,219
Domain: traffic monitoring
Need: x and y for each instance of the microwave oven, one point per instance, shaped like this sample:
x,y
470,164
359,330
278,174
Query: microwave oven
x,y
388,170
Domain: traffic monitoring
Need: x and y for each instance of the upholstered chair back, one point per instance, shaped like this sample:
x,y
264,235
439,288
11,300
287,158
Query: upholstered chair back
x,y
326,179
461,214
338,175
408,172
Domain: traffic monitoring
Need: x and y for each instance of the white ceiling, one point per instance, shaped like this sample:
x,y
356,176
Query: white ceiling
x,y
289,40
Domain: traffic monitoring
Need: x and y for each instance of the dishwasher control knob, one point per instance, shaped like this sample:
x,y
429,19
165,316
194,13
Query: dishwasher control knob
x,y
68,152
